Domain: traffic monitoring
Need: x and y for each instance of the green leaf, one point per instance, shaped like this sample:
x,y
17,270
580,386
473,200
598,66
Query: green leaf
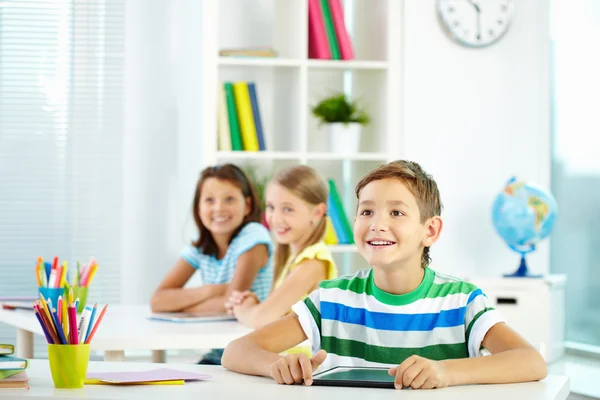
x,y
337,108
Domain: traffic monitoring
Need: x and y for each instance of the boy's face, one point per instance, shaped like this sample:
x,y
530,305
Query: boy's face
x,y
387,229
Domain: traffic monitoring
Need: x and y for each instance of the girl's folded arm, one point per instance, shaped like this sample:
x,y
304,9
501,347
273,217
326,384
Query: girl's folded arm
x,y
247,267
297,284
254,353
171,296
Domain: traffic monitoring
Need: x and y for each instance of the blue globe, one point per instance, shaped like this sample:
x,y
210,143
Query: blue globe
x,y
523,214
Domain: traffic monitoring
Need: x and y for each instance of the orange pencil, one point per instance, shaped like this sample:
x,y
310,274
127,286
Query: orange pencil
x,y
89,339
38,277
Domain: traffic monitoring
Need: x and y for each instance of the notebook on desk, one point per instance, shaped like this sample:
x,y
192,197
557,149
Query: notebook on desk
x,y
10,365
191,317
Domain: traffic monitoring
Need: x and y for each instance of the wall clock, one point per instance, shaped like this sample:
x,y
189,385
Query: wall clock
x,y
475,23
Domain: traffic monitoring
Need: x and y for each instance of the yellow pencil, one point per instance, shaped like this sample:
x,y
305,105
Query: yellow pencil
x,y
65,318
91,275
63,275
44,305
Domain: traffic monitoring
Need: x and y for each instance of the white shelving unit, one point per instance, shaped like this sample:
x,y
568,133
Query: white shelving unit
x,y
288,85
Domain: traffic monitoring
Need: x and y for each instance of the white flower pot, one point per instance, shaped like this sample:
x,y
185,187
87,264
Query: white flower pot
x,y
344,138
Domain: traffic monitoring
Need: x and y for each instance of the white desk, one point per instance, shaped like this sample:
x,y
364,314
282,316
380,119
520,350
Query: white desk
x,y
228,385
126,327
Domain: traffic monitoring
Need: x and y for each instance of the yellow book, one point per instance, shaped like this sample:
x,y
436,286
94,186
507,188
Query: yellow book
x,y
245,116
330,236
223,133
101,382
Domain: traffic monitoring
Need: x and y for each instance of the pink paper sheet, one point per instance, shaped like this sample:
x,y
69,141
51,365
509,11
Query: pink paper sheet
x,y
163,374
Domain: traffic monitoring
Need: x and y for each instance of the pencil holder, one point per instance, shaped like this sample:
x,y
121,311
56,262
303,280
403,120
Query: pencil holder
x,y
68,364
81,293
52,294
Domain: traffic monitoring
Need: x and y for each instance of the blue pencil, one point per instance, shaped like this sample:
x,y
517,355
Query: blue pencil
x,y
48,337
58,326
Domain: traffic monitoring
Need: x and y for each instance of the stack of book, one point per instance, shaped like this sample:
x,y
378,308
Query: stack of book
x,y
338,229
327,34
249,52
12,369
239,122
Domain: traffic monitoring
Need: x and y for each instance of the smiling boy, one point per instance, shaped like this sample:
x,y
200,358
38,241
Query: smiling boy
x,y
426,327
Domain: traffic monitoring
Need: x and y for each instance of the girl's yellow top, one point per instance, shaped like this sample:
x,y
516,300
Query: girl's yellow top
x,y
318,251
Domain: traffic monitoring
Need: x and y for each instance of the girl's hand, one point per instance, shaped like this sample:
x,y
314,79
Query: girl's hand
x,y
296,368
420,373
236,298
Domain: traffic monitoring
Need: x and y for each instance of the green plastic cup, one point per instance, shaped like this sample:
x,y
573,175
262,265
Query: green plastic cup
x,y
68,364
81,293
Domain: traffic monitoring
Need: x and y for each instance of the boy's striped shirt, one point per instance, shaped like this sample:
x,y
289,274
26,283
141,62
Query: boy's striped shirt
x,y
358,324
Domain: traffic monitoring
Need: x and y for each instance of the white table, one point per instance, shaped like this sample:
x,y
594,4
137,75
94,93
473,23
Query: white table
x,y
228,385
126,327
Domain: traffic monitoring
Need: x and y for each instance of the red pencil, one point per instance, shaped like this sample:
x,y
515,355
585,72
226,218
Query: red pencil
x,y
73,326
96,324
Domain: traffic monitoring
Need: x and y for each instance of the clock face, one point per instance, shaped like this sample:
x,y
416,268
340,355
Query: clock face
x,y
476,23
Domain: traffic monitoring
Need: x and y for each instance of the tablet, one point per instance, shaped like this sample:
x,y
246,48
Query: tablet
x,y
191,317
355,376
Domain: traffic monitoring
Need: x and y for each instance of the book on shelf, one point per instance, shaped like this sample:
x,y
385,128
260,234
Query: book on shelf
x,y
328,37
239,124
234,126
330,237
249,52
339,219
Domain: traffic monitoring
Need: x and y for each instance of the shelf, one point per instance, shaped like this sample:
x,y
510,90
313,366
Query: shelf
x,y
258,155
259,62
312,64
290,155
343,248
352,157
354,64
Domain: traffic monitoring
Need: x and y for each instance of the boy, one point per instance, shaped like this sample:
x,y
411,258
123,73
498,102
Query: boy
x,y
426,327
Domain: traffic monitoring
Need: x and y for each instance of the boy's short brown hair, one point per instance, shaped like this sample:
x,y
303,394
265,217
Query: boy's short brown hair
x,y
418,182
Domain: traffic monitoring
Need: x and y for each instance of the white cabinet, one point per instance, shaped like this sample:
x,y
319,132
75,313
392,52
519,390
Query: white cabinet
x,y
534,307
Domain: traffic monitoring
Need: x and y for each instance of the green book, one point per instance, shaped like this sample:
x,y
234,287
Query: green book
x,y
330,29
234,125
9,364
335,197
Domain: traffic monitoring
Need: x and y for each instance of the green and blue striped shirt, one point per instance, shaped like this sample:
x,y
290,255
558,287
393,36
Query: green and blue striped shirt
x,y
359,324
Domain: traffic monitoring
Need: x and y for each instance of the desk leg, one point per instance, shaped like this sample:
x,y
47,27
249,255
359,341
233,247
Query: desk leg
x,y
114,355
24,343
159,356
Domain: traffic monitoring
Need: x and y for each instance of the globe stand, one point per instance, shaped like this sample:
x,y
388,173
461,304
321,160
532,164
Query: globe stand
x,y
522,271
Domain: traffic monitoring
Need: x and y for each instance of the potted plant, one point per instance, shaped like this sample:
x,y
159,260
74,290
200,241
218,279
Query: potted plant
x,y
344,120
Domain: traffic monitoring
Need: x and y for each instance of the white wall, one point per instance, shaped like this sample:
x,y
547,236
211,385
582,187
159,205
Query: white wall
x,y
465,114
473,118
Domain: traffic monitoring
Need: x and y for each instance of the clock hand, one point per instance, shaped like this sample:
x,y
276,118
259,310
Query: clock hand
x,y
478,10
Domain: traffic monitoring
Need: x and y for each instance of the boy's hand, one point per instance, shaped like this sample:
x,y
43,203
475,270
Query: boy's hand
x,y
295,368
420,373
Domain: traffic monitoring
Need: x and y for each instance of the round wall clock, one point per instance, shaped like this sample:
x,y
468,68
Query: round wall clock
x,y
475,23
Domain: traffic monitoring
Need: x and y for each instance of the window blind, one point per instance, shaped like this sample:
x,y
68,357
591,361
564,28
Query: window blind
x,y
61,84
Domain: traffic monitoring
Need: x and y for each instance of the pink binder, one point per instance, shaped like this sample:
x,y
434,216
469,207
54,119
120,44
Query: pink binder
x,y
317,39
337,15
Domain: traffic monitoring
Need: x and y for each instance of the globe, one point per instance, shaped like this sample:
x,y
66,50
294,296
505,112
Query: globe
x,y
523,214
